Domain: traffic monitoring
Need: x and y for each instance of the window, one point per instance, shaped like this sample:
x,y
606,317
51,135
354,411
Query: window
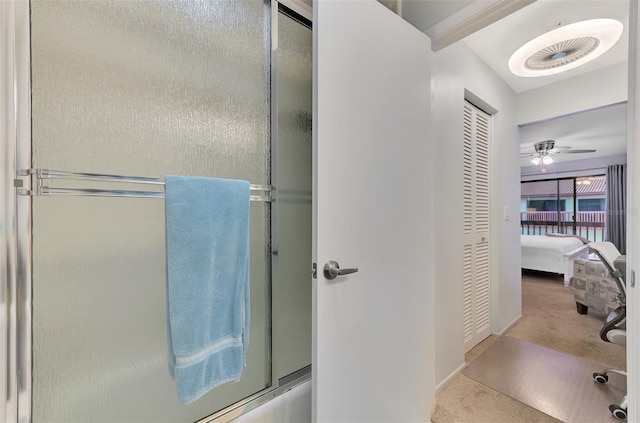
x,y
545,205
591,204
566,205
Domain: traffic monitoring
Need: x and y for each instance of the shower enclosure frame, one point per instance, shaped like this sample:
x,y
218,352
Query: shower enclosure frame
x,y
16,224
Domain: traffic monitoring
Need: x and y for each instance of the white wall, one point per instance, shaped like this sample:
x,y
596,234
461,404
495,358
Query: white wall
x,y
596,89
593,90
583,92
455,69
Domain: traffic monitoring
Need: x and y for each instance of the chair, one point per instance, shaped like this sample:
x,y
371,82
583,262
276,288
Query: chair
x,y
614,329
593,287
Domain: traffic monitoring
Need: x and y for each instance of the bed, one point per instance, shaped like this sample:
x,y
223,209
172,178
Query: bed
x,y
554,254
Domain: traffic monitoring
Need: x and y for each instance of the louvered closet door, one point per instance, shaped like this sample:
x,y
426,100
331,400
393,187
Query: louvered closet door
x,y
476,226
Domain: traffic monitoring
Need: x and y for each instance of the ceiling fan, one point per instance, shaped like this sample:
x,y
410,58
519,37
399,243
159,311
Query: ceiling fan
x,y
545,149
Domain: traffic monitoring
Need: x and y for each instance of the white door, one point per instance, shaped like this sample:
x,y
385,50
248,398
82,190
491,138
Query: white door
x,y
372,330
476,258
633,229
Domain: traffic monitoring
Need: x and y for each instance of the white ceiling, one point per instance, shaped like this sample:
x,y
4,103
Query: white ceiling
x,y
497,42
425,14
603,129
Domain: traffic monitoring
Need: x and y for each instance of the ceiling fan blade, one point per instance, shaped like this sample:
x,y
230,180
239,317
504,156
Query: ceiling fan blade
x,y
576,151
561,147
527,154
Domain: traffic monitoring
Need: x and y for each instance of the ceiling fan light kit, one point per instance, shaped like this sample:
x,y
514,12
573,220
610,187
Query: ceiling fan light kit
x,y
565,48
543,160
547,160
545,149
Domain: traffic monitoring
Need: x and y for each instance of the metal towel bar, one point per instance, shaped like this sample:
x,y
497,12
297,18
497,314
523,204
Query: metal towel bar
x,y
46,174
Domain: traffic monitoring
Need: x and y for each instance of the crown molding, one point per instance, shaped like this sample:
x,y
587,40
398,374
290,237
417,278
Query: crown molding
x,y
472,18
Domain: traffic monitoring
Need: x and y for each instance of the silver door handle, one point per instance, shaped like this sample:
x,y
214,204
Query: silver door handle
x,y
332,270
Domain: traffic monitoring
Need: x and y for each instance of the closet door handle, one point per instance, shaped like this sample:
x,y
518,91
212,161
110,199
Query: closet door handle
x,y
332,270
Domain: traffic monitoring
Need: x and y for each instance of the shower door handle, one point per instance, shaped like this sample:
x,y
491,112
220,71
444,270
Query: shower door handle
x,y
332,270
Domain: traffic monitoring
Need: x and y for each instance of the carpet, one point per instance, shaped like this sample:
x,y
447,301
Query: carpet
x,y
557,384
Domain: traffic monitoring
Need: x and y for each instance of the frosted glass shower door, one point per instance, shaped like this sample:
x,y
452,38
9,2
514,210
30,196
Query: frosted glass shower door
x,y
292,215
137,88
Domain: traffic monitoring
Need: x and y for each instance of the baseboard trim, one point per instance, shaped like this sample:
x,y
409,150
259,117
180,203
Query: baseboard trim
x,y
440,386
448,379
509,326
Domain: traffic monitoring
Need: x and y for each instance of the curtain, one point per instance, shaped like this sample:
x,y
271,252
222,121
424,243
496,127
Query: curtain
x,y
616,219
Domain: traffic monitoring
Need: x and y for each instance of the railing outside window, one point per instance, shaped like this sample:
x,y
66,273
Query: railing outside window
x,y
588,224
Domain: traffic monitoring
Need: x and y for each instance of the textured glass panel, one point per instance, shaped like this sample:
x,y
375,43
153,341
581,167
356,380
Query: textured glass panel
x,y
137,88
292,283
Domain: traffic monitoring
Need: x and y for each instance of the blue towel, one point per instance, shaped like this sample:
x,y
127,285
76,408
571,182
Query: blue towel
x,y
207,236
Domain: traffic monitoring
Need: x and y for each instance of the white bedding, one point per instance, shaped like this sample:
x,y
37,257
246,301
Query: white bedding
x,y
551,254
549,244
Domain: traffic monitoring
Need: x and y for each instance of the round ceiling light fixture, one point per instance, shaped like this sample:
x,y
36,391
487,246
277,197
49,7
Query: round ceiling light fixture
x,y
565,48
